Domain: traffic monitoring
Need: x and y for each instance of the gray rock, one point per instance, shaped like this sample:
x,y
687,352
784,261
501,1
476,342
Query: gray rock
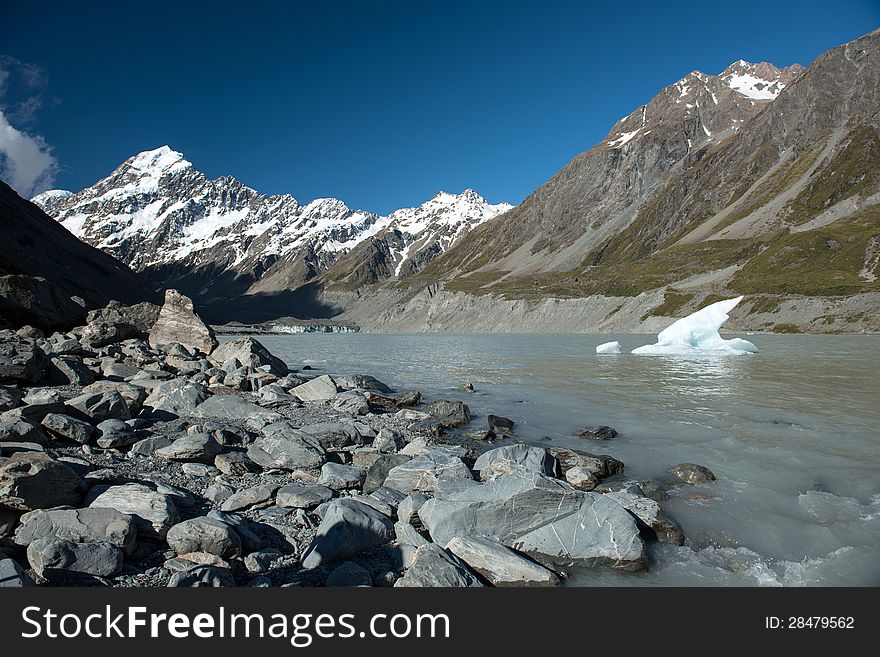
x,y
21,430
540,516
10,397
581,478
79,526
408,509
148,446
202,577
322,388
388,440
432,566
154,513
230,407
351,402
21,360
133,395
449,413
600,466
235,464
177,397
13,576
424,472
378,472
283,446
261,560
649,513
498,564
256,496
100,406
178,323
115,434
349,574
500,425
200,448
64,426
597,433
248,351
33,480
275,394
303,496
333,435
504,460
69,370
53,554
339,477
199,470
348,527
406,534
218,493
691,473
120,371
204,535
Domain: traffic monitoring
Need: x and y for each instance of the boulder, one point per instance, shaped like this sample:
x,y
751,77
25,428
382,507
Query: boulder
x,y
349,574
204,535
388,440
280,445
248,351
79,526
202,577
235,464
406,534
21,360
21,429
408,509
100,406
348,527
154,513
69,370
133,395
256,496
136,319
600,465
199,448
115,434
581,478
449,413
543,517
176,397
432,566
33,480
12,575
321,388
333,435
10,397
498,564
56,554
597,433
230,407
303,496
649,513
504,460
178,323
340,477
351,403
378,471
424,472
691,473
64,426
148,446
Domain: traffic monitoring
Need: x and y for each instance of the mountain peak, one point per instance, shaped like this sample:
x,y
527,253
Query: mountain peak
x,y
159,160
761,81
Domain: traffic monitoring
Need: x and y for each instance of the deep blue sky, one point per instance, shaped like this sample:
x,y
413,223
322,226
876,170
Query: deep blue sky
x,y
381,104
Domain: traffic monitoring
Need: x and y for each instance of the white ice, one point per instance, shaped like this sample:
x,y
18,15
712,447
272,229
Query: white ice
x,y
608,348
698,334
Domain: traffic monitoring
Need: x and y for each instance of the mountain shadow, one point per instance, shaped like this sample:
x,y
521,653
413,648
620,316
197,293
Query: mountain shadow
x,y
302,303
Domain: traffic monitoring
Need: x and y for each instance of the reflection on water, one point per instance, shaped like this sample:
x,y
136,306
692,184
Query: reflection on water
x,y
799,416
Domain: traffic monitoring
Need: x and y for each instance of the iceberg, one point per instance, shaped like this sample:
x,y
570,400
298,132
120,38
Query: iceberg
x,y
698,334
608,348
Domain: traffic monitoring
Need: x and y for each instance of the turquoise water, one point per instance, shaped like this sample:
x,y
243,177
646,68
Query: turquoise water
x,y
791,433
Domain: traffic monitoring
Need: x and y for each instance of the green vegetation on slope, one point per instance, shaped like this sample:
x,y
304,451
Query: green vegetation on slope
x,y
822,262
854,170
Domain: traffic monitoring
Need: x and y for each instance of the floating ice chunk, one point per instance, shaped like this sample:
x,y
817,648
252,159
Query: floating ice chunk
x,y
698,334
608,348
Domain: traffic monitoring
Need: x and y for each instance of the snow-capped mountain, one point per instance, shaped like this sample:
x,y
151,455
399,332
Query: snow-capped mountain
x,y
157,213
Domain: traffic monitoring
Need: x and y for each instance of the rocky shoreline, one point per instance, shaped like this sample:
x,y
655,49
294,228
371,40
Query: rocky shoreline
x,y
138,451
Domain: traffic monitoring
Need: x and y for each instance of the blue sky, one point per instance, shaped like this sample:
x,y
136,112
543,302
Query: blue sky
x,y
381,104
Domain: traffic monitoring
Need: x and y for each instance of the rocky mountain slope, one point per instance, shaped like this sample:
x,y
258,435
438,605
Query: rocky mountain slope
x,y
48,278
219,238
758,181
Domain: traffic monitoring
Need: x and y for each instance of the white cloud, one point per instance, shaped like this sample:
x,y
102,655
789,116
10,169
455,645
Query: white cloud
x,y
26,161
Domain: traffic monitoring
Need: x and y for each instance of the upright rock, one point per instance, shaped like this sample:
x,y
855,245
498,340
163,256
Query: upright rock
x,y
178,323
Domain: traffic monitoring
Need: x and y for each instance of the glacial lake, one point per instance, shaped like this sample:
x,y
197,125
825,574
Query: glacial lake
x,y
792,433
